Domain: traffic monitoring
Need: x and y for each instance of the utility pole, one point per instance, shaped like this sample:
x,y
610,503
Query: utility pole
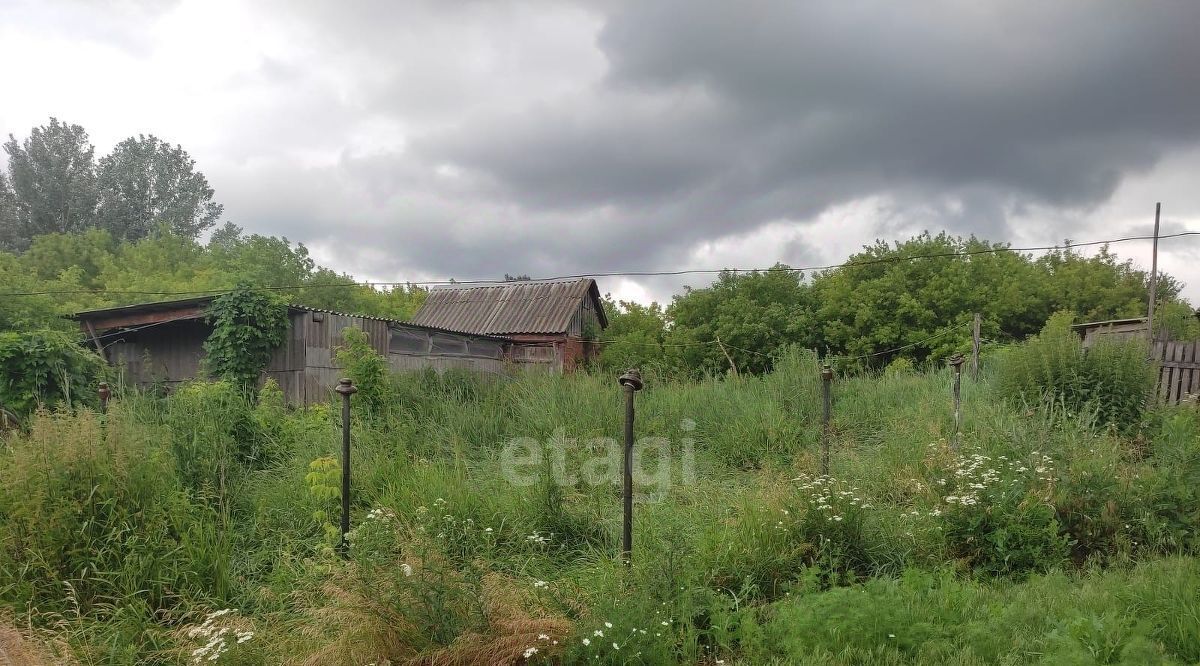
x,y
1153,276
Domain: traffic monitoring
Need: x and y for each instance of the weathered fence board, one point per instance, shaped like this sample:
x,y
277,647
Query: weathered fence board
x,y
1179,370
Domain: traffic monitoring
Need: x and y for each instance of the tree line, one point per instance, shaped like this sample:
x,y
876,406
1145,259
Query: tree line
x,y
888,296
54,185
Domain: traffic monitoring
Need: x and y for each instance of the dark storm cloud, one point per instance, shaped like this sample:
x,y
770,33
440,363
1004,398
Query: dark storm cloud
x,y
722,116
470,139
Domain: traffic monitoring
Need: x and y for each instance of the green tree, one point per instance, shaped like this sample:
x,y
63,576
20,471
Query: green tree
x,y
145,182
1177,321
161,262
1099,287
11,229
634,337
86,253
44,367
752,315
53,183
901,295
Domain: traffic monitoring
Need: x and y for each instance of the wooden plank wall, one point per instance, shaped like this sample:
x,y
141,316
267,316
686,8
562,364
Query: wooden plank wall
x,y
1179,370
167,354
322,335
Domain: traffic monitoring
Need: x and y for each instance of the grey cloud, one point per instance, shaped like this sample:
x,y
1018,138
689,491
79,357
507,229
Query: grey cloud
x,y
548,138
783,109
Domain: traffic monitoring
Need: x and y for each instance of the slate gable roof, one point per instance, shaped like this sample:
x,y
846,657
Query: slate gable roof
x,y
508,308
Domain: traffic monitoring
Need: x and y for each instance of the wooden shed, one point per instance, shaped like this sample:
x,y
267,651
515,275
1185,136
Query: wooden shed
x,y
552,321
1112,329
162,343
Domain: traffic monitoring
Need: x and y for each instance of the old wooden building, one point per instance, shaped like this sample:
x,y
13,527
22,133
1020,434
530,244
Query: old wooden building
x,y
1113,329
162,343
555,321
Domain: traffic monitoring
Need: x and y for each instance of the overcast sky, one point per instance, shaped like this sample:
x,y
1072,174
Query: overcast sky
x,y
429,140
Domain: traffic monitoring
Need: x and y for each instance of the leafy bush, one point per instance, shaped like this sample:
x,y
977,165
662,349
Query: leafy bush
x,y
45,367
1112,378
367,368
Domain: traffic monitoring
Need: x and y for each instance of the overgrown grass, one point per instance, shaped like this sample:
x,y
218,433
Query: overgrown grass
x,y
1048,538
1111,380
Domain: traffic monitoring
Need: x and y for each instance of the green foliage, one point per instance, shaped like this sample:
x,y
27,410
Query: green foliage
x,y
213,436
247,326
1112,379
367,368
165,261
53,184
43,367
402,596
901,365
145,182
938,619
754,314
1048,539
324,481
919,295
1005,529
94,518
1176,320
634,337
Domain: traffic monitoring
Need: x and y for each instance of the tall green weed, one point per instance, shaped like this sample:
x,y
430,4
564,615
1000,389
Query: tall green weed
x,y
1112,378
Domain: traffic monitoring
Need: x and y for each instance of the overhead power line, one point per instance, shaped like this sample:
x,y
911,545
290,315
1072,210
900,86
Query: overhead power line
x,y
577,276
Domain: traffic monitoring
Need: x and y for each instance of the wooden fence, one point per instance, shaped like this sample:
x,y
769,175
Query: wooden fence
x,y
1179,374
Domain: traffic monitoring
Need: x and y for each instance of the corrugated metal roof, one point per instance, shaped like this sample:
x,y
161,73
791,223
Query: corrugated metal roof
x,y
1111,322
159,306
179,304
504,308
137,308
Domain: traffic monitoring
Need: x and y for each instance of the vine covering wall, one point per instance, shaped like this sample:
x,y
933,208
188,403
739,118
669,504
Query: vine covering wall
x,y
247,327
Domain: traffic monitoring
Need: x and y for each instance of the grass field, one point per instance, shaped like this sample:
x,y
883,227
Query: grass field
x,y
201,528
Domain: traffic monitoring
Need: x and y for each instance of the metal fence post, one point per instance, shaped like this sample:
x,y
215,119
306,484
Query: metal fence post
x,y
630,382
346,388
827,404
956,363
976,342
105,394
